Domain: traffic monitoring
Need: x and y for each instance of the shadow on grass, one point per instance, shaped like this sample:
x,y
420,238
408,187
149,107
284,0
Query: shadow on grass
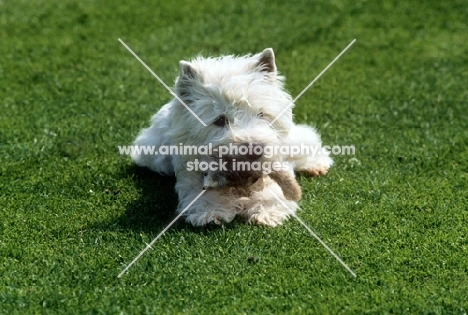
x,y
155,208
156,204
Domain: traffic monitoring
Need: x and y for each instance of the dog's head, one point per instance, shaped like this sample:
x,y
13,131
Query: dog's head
x,y
240,99
243,104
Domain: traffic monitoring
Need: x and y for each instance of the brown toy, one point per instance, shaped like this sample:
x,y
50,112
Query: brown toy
x,y
219,179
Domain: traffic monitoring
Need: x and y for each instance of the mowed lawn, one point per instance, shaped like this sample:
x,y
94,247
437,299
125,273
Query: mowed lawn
x,y
74,213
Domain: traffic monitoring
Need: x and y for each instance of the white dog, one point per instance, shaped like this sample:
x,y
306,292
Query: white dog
x,y
237,98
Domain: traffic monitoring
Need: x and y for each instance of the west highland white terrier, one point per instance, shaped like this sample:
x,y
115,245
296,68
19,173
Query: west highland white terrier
x,y
245,108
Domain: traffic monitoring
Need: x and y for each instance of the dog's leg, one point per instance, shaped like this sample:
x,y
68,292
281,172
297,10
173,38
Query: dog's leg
x,y
152,138
216,206
313,159
207,209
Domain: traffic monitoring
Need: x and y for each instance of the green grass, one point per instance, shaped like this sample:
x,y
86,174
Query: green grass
x,y
73,212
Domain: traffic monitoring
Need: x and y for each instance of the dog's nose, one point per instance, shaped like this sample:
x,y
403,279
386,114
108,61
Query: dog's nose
x,y
254,152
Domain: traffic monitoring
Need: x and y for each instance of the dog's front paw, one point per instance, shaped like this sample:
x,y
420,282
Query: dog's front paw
x,y
317,171
267,219
202,219
319,166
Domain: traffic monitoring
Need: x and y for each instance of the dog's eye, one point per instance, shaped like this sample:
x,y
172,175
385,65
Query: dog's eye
x,y
260,115
221,121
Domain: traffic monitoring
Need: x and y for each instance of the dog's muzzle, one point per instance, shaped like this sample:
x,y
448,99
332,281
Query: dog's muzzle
x,y
254,151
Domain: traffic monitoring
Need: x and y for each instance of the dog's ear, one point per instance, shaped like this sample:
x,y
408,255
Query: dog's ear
x,y
187,71
266,61
187,74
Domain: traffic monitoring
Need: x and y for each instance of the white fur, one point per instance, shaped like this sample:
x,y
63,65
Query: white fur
x,y
239,88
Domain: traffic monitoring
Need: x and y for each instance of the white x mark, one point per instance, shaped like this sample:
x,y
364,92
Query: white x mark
x,y
148,246
313,81
314,235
